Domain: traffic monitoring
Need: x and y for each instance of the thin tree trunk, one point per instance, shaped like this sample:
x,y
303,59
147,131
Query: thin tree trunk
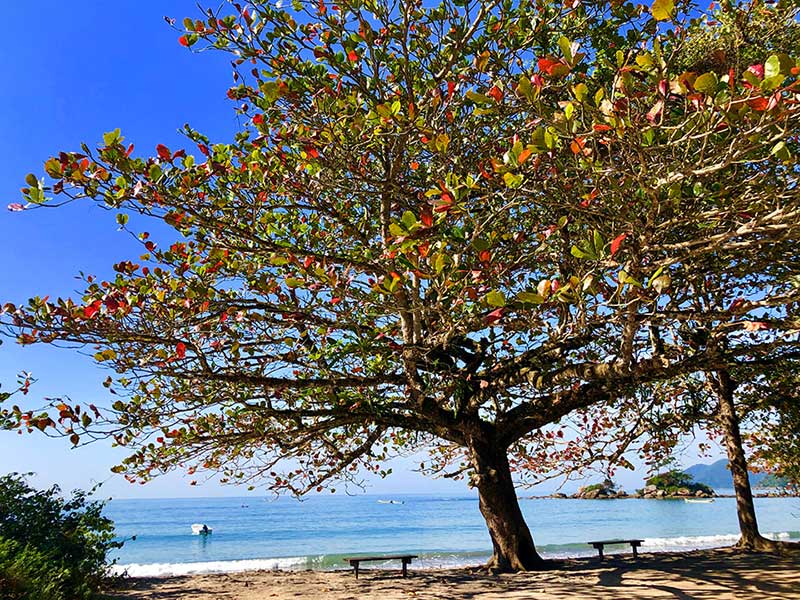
x,y
513,547
745,508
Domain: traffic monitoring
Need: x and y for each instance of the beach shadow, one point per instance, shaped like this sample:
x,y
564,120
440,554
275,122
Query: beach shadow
x,y
702,575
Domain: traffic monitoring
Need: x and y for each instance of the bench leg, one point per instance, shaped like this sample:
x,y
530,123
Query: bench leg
x,y
405,569
600,552
355,568
635,551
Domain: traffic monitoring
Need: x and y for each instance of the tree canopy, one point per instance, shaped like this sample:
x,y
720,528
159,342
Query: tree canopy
x,y
440,227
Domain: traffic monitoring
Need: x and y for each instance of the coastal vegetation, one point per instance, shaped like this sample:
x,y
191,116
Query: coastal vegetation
x,y
677,483
487,231
51,547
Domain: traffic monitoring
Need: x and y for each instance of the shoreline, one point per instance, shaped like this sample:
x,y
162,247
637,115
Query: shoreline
x,y
641,497
430,560
723,573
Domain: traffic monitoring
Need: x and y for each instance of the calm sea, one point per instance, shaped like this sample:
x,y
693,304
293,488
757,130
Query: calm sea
x,y
257,533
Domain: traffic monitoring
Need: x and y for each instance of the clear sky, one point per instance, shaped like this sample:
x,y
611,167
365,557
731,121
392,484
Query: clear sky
x,y
71,71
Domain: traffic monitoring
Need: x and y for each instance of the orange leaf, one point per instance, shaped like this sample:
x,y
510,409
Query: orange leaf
x,y
577,145
495,93
617,242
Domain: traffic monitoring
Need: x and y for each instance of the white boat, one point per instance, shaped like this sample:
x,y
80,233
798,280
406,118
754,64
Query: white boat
x,y
200,529
699,500
390,502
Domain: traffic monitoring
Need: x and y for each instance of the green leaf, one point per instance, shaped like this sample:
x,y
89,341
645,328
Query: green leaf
x,y
513,180
122,219
112,137
409,219
599,244
580,91
495,298
772,67
781,151
530,298
566,48
662,10
479,98
707,83
578,253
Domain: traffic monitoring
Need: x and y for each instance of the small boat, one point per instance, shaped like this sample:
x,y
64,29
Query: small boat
x,y
200,529
699,500
390,502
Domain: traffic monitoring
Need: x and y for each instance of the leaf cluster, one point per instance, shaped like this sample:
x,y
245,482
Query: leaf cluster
x,y
51,547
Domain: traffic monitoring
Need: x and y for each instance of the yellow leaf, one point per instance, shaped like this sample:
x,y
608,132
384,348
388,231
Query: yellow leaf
x,y
662,9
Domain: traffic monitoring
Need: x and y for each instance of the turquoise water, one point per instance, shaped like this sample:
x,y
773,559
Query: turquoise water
x,y
254,533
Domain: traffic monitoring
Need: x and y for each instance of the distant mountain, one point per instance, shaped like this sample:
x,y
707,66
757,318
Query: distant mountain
x,y
718,476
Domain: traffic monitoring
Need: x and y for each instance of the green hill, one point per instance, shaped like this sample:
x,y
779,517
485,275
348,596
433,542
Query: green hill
x,y
718,476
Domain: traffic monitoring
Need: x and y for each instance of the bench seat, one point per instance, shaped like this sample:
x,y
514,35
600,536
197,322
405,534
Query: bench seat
x,y
598,545
405,558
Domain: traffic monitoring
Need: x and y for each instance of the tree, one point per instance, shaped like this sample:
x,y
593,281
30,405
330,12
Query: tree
x,y
439,228
51,547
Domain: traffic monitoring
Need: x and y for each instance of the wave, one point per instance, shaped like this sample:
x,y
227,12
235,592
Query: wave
x,y
426,560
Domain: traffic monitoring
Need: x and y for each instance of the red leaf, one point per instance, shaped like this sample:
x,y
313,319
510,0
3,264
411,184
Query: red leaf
x,y
183,41
258,119
163,152
180,350
451,86
352,56
601,127
414,165
617,242
523,156
91,310
312,152
494,316
496,93
757,70
426,217
759,104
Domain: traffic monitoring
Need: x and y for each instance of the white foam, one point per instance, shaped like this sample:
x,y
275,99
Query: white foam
x,y
699,542
219,566
433,561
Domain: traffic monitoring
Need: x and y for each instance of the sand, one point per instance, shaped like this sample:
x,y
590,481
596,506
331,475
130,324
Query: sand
x,y
701,575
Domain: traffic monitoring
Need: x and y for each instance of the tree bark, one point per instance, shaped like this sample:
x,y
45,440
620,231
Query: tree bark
x,y
512,543
751,539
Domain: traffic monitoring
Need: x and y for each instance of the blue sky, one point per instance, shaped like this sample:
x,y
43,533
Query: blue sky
x,y
71,71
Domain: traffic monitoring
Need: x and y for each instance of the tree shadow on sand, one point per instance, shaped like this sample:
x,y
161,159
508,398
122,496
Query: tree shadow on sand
x,y
703,575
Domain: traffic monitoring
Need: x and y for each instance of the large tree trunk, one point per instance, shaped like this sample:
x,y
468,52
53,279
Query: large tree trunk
x,y
751,539
513,548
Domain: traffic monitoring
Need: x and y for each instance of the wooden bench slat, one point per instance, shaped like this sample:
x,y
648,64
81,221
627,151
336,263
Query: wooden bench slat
x,y
387,557
355,561
599,544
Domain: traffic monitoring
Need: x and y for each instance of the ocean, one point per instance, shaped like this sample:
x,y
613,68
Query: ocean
x,y
316,533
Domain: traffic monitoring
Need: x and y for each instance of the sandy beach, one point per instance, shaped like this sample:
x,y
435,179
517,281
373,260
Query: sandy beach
x,y
701,575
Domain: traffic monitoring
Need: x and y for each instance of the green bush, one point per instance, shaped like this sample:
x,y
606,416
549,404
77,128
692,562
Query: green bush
x,y
672,481
51,547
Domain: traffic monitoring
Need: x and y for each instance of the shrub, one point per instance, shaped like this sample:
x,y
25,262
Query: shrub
x,y
672,481
51,547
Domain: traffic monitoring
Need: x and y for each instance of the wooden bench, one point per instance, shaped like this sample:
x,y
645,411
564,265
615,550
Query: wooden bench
x,y
405,558
599,545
